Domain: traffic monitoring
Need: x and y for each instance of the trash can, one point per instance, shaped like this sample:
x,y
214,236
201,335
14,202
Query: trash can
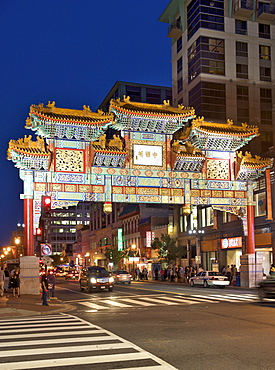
x,y
238,279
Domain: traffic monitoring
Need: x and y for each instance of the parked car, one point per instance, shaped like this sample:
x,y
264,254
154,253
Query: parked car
x,y
72,275
96,278
122,276
266,289
209,278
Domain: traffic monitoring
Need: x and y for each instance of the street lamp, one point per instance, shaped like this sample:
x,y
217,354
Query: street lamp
x,y
197,233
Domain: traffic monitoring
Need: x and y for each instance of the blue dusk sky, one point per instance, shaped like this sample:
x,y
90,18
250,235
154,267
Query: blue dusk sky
x,y
71,52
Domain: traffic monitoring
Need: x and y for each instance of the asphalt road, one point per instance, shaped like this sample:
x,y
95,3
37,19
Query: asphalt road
x,y
189,328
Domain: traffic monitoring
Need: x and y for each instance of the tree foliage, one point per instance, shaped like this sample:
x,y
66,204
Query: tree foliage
x,y
114,255
168,249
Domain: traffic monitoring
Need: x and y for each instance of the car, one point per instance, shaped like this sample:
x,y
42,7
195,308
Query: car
x,y
266,288
72,275
122,276
209,278
96,278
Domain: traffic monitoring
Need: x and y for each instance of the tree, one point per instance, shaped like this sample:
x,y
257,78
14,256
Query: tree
x,y
114,255
168,249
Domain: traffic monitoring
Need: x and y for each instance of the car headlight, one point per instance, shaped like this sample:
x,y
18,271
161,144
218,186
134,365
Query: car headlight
x,y
111,280
93,280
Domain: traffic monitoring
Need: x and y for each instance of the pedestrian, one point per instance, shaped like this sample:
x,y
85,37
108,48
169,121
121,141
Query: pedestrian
x,y
182,272
145,273
137,274
165,275
7,279
15,283
172,275
2,279
51,284
44,288
161,274
229,273
223,270
156,273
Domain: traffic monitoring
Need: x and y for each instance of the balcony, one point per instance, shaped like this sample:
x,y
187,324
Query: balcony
x,y
174,30
266,12
243,8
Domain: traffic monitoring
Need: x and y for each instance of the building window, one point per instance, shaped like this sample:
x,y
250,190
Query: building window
x,y
205,14
206,55
264,52
266,106
180,101
242,104
241,49
242,71
265,74
153,96
240,27
266,140
168,95
179,65
180,85
134,92
264,31
209,100
179,44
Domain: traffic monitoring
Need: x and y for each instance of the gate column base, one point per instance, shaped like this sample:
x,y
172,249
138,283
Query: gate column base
x,y
29,275
251,272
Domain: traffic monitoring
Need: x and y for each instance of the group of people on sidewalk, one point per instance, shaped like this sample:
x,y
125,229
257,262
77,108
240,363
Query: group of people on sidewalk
x,y
180,274
9,280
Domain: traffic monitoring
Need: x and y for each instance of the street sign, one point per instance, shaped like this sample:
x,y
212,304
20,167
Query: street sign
x,y
47,260
46,249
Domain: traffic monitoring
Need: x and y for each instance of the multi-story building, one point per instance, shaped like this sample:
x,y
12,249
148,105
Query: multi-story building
x,y
223,55
60,230
138,92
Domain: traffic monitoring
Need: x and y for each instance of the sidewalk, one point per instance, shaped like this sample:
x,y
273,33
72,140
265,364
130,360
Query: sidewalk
x,y
28,305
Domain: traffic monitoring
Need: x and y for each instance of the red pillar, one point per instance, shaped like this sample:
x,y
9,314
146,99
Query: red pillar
x,y
250,230
268,195
28,229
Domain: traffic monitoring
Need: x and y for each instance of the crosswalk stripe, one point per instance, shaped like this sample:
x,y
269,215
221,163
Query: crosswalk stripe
x,y
157,300
18,330
26,319
56,334
29,323
202,300
38,325
179,300
252,298
70,361
234,298
37,351
115,303
59,341
213,297
93,305
138,302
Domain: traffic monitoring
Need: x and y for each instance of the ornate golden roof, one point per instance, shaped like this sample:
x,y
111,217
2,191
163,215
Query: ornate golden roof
x,y
224,128
248,161
50,111
29,147
164,109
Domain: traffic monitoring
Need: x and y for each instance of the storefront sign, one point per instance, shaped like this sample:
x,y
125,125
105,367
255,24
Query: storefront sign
x,y
150,236
229,243
119,240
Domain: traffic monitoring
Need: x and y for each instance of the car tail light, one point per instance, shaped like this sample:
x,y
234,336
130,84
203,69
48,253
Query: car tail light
x,y
118,276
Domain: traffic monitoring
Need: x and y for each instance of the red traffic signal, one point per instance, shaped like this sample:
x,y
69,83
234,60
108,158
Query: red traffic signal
x,y
39,231
46,203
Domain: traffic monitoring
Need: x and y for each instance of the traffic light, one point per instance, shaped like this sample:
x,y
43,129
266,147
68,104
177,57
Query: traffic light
x,y
46,206
39,234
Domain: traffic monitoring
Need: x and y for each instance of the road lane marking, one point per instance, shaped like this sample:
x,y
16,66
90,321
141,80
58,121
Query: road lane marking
x,y
157,300
115,303
138,302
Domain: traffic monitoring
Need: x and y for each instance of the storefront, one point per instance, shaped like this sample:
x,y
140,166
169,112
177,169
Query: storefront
x,y
263,248
231,250
209,253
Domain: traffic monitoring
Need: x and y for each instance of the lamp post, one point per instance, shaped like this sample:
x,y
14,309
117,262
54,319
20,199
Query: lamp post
x,y
197,233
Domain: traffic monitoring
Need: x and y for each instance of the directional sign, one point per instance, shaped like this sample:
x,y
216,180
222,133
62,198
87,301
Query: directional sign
x,y
46,250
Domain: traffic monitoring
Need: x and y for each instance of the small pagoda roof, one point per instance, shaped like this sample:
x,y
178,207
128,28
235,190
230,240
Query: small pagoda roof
x,y
218,136
84,124
252,167
28,154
